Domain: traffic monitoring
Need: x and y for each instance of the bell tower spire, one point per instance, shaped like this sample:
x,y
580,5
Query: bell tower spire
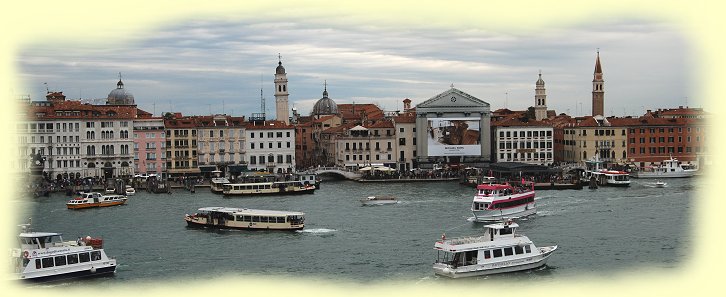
x,y
598,93
540,99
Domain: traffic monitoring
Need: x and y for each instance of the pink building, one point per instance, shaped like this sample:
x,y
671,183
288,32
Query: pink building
x,y
149,144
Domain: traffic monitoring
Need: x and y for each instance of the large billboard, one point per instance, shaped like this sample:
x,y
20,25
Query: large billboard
x,y
453,137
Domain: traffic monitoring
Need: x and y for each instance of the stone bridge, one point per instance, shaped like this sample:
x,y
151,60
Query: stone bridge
x,y
348,174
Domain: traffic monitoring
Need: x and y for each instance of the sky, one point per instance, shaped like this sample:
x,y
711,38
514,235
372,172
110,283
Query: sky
x,y
202,66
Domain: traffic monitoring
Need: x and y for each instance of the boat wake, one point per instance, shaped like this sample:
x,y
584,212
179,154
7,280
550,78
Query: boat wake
x,y
316,231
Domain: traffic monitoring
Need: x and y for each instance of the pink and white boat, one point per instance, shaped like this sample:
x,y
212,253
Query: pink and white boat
x,y
494,202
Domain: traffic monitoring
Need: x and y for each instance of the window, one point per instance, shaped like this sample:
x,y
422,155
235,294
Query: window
x,y
47,262
60,260
72,259
84,257
497,253
508,251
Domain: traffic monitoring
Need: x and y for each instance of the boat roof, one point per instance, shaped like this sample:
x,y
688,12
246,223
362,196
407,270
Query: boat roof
x,y
234,210
493,186
502,225
38,234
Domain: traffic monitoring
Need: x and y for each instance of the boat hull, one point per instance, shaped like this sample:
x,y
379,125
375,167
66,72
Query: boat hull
x,y
379,202
91,205
677,174
501,214
85,273
514,265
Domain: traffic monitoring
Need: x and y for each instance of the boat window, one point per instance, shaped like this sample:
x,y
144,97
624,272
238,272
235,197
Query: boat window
x,y
497,253
280,219
84,257
518,250
95,256
60,260
255,218
508,251
470,257
505,231
487,254
72,259
47,262
527,249
263,220
247,218
238,218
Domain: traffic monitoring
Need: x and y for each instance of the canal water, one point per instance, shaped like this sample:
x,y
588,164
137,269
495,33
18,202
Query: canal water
x,y
600,232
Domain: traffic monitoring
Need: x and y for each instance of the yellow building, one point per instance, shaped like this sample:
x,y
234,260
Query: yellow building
x,y
592,136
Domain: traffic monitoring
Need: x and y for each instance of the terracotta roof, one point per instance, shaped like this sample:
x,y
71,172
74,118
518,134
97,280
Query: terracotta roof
x,y
353,111
85,111
406,118
518,122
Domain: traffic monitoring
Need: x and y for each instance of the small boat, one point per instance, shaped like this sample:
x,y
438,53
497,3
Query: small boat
x,y
130,191
660,184
95,199
244,218
217,184
110,190
500,249
378,200
44,256
494,202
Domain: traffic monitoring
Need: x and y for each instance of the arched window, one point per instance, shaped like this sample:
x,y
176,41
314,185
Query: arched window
x,y
584,155
279,88
284,88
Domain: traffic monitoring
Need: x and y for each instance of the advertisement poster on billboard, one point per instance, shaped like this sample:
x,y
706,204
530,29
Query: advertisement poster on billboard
x,y
453,137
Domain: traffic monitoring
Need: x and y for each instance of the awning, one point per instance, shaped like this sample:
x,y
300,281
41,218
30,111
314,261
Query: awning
x,y
207,168
237,168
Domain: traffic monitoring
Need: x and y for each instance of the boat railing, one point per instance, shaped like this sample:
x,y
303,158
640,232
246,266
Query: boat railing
x,y
467,240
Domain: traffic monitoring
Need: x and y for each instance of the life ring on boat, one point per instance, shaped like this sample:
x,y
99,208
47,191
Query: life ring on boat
x,y
25,254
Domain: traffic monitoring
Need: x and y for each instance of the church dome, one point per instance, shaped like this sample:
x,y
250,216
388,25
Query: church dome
x,y
120,96
279,69
540,81
325,105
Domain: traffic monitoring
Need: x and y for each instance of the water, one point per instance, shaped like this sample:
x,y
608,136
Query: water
x,y
599,232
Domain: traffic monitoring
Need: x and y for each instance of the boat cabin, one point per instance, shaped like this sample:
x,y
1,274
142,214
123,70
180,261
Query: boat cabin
x,y
465,251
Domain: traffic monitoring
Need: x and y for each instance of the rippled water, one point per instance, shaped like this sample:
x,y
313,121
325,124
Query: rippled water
x,y
599,232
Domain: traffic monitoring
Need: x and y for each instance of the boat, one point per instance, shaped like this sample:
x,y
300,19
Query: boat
x,y
475,180
95,199
500,249
669,168
130,191
602,176
44,256
660,184
110,190
268,188
244,218
217,183
501,201
378,200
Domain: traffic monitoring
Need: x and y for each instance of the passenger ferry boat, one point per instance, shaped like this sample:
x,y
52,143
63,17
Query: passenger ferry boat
x,y
268,188
95,199
44,256
667,169
378,200
244,218
217,183
500,201
596,170
499,250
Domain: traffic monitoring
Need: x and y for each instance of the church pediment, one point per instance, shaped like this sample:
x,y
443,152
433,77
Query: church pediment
x,y
453,98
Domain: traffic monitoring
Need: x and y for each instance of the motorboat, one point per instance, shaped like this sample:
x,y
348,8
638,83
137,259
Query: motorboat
x,y
44,256
130,191
245,218
669,168
95,199
660,184
217,184
494,202
378,200
500,249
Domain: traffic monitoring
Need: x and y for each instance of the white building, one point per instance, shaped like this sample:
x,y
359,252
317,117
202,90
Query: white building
x,y
270,146
526,142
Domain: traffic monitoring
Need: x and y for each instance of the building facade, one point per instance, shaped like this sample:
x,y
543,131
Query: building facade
x,y
221,142
530,142
149,144
181,145
270,146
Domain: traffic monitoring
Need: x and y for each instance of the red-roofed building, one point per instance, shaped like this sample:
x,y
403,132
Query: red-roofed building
x,y
149,144
309,148
79,139
221,144
181,145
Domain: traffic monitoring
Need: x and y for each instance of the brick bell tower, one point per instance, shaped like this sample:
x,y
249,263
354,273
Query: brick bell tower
x,y
598,93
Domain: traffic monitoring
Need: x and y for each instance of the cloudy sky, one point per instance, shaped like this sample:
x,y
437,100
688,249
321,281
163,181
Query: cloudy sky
x,y
205,66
